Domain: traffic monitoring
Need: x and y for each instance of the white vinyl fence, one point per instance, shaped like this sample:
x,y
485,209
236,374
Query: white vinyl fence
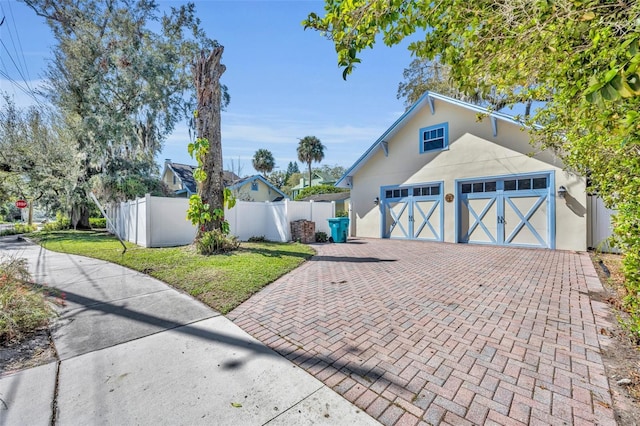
x,y
600,228
161,222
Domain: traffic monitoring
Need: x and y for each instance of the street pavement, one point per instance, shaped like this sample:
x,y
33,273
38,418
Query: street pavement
x,y
133,350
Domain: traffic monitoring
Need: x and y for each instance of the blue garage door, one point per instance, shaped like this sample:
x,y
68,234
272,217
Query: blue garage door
x,y
413,212
514,210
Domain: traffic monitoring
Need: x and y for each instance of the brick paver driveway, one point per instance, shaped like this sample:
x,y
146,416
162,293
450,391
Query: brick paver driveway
x,y
435,333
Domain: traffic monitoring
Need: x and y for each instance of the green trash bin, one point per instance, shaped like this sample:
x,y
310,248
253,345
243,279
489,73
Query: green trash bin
x,y
339,226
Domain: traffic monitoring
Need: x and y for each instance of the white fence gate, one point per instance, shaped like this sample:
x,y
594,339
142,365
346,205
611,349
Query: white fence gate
x,y
161,222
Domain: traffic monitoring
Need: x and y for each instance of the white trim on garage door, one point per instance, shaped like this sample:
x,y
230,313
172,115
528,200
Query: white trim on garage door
x,y
513,210
413,212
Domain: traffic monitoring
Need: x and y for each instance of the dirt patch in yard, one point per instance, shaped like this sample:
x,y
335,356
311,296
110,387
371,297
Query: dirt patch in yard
x,y
36,349
622,357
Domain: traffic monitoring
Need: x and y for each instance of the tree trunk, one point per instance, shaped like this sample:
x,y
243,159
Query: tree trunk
x,y
207,71
80,216
80,212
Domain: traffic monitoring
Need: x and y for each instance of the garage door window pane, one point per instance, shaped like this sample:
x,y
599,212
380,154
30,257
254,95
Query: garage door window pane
x,y
435,190
489,187
524,184
509,185
416,192
478,187
388,194
466,188
404,192
540,183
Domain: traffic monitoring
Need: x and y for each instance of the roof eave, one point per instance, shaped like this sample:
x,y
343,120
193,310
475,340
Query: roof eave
x,y
427,97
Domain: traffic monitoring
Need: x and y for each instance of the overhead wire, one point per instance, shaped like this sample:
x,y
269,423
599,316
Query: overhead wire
x,y
24,86
15,28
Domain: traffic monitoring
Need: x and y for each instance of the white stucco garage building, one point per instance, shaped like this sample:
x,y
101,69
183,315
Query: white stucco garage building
x,y
450,171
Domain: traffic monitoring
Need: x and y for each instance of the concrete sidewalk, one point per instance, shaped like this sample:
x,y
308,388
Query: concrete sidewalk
x,y
133,350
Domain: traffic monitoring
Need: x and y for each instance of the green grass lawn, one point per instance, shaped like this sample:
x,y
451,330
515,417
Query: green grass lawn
x,y
221,281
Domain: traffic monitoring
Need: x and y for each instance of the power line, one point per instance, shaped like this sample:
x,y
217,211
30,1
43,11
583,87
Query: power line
x,y
24,86
27,91
15,28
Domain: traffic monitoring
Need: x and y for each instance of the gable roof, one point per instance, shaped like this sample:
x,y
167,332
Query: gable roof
x,y
184,172
241,182
425,100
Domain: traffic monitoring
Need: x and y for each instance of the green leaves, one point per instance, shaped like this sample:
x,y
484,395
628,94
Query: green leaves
x,y
198,212
199,174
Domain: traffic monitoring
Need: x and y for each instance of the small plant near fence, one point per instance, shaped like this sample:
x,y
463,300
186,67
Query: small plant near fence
x,y
342,213
216,241
257,239
321,237
200,212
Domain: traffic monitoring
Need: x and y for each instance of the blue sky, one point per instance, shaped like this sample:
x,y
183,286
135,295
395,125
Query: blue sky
x,y
284,82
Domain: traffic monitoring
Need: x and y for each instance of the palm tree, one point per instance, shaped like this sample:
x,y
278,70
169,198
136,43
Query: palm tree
x,y
263,161
310,149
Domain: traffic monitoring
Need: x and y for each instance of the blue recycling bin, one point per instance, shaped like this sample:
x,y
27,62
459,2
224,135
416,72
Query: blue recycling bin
x,y
339,229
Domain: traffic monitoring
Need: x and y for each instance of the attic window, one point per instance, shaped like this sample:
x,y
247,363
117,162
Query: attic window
x,y
254,186
434,138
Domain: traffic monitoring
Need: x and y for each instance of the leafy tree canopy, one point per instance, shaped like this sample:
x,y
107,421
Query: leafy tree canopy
x,y
310,149
119,85
263,161
36,157
335,171
293,168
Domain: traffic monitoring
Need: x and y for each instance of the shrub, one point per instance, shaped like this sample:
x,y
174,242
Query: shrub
x,y
216,241
257,239
61,223
321,237
342,213
23,309
19,228
98,222
318,189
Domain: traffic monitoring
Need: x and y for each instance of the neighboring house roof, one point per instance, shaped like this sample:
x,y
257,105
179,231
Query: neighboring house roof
x,y
325,177
241,182
335,196
321,178
426,99
184,172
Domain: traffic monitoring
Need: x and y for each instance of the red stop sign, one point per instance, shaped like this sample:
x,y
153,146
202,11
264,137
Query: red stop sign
x,y
21,204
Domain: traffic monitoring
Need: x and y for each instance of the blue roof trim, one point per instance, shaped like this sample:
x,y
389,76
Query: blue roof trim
x,y
427,97
253,178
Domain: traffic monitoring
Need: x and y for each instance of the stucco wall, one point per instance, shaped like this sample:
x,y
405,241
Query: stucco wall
x,y
167,178
264,193
473,152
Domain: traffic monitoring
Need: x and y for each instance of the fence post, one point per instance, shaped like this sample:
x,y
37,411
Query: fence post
x,y
147,220
287,220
